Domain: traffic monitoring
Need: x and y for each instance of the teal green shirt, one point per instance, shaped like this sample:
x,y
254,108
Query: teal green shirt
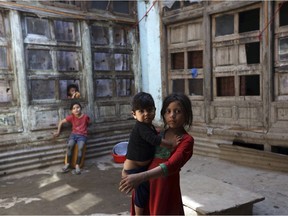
x,y
162,152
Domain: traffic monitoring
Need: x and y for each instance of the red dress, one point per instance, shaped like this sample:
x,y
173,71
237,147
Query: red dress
x,y
165,193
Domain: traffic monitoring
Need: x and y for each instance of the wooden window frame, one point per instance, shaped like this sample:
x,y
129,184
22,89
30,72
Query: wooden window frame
x,y
280,67
111,73
6,73
237,65
186,46
51,45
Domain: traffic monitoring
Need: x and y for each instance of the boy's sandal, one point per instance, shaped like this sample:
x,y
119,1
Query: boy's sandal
x,y
66,168
76,171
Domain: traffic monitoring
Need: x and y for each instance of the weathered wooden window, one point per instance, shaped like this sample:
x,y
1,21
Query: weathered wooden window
x,y
194,33
119,7
104,87
224,56
283,49
283,15
42,89
250,85
111,49
52,51
51,89
225,86
101,61
67,4
65,31
63,85
111,53
175,6
233,53
177,60
195,59
6,74
252,53
281,53
3,58
185,57
194,62
122,62
177,34
39,59
101,5
2,26
37,26
178,85
249,20
99,35
119,37
178,4
195,87
67,61
224,25
124,87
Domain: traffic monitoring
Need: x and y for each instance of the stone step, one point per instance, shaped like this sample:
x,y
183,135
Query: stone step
x,y
204,147
207,196
36,157
223,149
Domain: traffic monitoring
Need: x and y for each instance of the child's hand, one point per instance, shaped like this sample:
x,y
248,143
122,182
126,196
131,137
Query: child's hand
x,y
129,182
76,95
124,173
171,144
176,141
56,134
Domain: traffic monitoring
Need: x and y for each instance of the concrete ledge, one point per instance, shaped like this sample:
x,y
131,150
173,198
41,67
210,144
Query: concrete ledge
x,y
207,196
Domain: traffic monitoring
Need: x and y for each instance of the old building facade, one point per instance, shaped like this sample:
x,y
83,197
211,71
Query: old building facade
x,y
230,57
47,45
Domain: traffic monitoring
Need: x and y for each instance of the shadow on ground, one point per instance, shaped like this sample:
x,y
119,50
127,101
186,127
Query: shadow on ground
x,y
50,192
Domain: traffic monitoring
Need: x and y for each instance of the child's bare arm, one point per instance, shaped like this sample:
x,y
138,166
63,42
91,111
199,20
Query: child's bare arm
x,y
63,121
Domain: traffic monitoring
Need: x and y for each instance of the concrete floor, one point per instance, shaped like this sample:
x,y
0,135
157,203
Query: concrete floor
x,y
95,191
269,184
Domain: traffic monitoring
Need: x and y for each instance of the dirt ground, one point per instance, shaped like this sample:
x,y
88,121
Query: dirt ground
x,y
95,191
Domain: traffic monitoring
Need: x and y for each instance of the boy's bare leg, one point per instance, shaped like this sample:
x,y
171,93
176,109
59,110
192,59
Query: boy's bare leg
x,y
138,211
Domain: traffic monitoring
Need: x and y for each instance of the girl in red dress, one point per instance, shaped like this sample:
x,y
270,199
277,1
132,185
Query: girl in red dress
x,y
164,171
